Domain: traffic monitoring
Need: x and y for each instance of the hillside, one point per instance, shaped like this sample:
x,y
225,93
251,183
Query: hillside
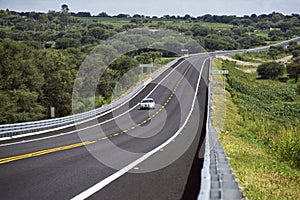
x,y
42,52
260,131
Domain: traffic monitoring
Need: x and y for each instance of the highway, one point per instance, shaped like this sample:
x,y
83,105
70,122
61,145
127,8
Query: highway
x,y
126,154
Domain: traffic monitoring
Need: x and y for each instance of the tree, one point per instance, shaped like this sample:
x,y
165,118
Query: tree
x,y
275,35
239,30
103,14
64,43
123,15
276,17
98,33
294,48
296,53
293,69
124,63
83,14
148,57
59,73
207,18
270,70
137,16
186,17
65,8
200,30
275,51
20,83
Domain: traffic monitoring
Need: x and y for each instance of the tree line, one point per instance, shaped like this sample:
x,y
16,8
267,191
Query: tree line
x,y
40,53
62,30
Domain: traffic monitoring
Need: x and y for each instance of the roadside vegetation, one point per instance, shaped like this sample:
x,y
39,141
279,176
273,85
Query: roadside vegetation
x,y
262,125
42,52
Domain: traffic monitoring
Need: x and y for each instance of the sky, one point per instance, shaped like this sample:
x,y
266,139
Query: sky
x,y
159,7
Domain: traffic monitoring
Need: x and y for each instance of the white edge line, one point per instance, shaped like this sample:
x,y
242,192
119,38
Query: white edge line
x,y
90,119
92,190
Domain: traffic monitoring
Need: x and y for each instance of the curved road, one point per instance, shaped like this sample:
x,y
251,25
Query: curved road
x,y
126,154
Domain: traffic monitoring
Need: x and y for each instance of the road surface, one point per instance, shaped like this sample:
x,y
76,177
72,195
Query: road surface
x,y
126,154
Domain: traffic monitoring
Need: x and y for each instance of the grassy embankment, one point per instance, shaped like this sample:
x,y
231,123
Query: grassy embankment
x,y
261,132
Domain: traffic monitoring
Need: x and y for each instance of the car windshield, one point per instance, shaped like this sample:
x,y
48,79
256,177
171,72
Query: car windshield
x,y
147,101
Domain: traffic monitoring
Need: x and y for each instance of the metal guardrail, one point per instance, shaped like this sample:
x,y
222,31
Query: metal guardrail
x,y
8,131
217,179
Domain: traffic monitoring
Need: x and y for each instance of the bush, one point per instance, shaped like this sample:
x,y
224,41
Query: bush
x,y
275,51
64,43
283,79
293,69
270,70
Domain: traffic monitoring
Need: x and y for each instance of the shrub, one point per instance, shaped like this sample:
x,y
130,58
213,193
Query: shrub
x,y
293,69
270,70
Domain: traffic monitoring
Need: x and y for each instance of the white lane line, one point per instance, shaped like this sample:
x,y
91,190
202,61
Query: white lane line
x,y
82,129
92,190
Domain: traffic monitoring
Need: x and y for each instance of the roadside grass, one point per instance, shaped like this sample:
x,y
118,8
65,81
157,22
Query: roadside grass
x,y
262,149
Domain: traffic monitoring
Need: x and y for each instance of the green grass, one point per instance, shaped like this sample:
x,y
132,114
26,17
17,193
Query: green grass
x,y
263,34
263,150
216,25
106,19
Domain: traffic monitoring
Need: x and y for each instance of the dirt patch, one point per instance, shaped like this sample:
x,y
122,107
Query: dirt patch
x,y
239,62
284,60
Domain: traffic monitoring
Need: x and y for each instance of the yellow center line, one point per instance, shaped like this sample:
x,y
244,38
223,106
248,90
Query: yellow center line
x,y
76,145
43,152
104,138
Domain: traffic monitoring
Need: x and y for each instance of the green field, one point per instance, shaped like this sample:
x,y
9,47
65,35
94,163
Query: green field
x,y
152,21
261,133
106,19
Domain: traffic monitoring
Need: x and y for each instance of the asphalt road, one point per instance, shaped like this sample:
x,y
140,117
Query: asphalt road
x,y
66,163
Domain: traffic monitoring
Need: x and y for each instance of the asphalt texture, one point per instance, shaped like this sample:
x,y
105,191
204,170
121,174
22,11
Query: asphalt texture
x,y
55,168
